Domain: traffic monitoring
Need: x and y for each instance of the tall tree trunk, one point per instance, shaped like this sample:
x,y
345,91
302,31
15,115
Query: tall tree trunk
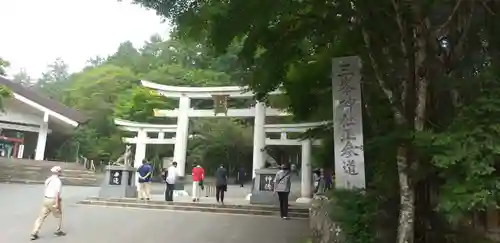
x,y
407,198
416,105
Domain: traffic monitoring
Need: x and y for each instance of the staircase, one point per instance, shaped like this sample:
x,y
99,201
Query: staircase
x,y
36,172
295,211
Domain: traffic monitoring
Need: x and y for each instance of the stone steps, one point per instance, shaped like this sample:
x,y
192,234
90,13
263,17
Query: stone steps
x,y
36,172
258,210
65,181
36,163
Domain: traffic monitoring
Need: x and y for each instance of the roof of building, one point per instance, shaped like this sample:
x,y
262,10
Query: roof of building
x,y
43,100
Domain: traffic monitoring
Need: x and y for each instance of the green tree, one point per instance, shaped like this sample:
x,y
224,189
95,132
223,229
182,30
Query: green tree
x,y
419,60
54,80
137,104
96,61
4,91
96,90
3,65
126,56
109,87
23,78
213,144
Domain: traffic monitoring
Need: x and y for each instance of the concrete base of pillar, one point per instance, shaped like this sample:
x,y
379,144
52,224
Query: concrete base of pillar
x,y
304,200
118,182
247,197
262,189
180,193
179,184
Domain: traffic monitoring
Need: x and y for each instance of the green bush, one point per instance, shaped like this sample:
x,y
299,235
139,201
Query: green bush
x,y
355,212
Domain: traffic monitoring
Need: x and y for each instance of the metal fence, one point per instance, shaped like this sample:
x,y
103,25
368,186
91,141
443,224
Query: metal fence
x,y
209,189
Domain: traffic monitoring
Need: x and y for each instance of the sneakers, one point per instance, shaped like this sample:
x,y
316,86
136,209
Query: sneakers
x,y
57,233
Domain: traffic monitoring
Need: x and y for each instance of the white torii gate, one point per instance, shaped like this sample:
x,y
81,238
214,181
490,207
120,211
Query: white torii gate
x,y
306,184
185,111
142,139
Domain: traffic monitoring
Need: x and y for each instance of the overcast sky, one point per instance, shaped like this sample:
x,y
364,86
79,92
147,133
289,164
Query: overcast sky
x,y
33,33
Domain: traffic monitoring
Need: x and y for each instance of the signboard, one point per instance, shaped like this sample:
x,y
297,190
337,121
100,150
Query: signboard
x,y
266,182
115,177
348,123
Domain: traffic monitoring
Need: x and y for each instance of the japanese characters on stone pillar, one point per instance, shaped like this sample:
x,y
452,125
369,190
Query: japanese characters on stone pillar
x,y
348,123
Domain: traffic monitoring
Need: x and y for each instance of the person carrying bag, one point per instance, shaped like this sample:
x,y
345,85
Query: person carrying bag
x,y
282,185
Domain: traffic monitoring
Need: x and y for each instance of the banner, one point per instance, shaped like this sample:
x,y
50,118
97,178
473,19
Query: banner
x,y
348,123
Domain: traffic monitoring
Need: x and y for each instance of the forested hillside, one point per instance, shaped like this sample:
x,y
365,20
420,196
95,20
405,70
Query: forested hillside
x,y
109,87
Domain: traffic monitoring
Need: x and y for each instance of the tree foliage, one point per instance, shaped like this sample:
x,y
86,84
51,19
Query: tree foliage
x,y
4,91
23,78
3,65
429,81
110,87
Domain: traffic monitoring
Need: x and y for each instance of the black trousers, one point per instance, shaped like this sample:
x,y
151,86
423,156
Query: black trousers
x,y
219,193
241,180
283,198
169,192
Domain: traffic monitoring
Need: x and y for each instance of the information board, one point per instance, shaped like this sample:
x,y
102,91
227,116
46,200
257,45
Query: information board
x,y
266,182
115,177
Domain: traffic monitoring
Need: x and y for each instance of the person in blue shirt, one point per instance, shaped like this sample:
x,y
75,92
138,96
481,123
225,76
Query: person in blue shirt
x,y
144,172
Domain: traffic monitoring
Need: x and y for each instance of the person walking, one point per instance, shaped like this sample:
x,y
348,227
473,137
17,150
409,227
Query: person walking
x,y
170,179
198,175
327,175
316,180
51,203
144,172
241,176
282,184
220,184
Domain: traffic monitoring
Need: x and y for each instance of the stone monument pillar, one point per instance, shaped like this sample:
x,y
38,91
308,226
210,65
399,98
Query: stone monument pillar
x,y
119,182
306,173
263,187
120,178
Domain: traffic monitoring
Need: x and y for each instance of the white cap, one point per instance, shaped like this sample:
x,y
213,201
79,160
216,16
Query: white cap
x,y
56,169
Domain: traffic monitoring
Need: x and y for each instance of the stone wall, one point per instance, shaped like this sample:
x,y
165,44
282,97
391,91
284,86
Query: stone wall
x,y
323,229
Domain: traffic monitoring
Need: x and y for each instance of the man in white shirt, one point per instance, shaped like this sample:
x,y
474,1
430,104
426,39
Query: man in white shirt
x,y
170,181
51,203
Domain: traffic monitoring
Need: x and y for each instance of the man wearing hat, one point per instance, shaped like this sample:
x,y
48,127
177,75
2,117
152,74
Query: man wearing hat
x,y
51,203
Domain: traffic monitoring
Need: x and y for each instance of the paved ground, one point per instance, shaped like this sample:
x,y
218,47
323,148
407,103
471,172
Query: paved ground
x,y
20,204
233,191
